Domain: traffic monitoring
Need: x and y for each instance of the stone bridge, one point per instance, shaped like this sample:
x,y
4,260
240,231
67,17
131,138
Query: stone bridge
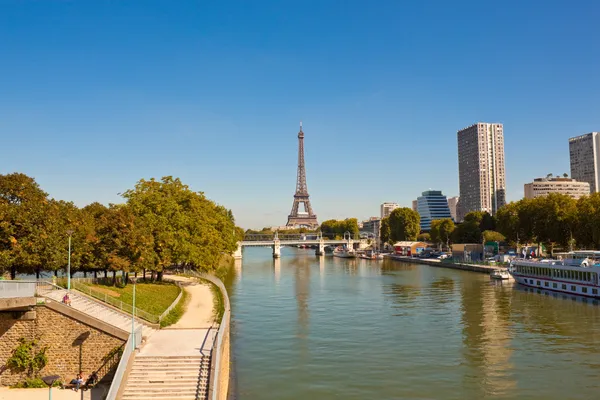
x,y
276,241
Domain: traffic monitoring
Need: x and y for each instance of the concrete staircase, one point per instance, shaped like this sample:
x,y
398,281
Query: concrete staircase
x,y
99,310
168,377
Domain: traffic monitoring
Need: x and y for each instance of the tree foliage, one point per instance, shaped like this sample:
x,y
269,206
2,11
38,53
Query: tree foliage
x,y
404,224
441,231
337,228
163,223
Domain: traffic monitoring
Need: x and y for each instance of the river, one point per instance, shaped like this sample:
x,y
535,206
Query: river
x,y
305,327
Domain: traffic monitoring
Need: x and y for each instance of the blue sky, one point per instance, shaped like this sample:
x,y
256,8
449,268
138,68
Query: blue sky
x,y
95,95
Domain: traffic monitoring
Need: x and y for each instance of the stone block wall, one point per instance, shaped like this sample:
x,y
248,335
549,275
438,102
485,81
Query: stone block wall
x,y
73,346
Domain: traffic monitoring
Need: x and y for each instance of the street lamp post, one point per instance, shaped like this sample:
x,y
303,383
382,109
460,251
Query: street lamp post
x,y
70,233
134,279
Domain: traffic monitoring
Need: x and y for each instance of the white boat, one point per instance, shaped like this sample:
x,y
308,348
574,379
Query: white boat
x,y
574,275
344,253
500,274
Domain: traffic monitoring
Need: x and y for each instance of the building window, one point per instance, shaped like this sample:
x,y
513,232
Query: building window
x,y
573,288
583,290
594,291
554,285
546,284
538,283
564,287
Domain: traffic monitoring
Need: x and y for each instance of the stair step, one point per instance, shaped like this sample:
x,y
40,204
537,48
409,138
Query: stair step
x,y
159,397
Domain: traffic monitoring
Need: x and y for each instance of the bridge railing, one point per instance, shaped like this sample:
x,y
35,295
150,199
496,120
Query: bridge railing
x,y
301,236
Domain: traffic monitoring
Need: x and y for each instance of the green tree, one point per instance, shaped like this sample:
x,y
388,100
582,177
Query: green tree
x,y
469,230
186,227
22,209
404,224
493,236
385,233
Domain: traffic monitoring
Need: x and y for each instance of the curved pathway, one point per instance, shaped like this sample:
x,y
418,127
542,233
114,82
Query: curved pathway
x,y
174,362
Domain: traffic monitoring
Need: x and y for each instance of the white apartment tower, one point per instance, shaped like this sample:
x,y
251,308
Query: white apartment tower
x,y
387,208
584,152
482,180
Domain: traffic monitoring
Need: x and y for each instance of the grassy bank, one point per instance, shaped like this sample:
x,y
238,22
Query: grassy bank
x,y
175,314
153,298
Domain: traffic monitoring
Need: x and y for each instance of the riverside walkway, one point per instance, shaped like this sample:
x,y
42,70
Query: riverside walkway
x,y
175,362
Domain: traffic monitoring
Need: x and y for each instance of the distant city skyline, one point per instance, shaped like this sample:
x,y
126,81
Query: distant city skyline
x,y
99,95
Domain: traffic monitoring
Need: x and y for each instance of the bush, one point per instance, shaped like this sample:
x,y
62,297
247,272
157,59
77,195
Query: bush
x,y
31,383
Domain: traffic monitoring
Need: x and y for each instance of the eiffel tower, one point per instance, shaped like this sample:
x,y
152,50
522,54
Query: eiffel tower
x,y
307,219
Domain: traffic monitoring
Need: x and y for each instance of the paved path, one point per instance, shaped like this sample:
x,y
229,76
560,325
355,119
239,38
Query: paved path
x,y
175,362
199,310
42,394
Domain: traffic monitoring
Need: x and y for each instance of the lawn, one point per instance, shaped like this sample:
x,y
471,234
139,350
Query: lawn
x,y
153,298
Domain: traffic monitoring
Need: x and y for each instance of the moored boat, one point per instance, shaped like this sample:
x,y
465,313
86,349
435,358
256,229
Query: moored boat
x,y
500,274
576,275
343,252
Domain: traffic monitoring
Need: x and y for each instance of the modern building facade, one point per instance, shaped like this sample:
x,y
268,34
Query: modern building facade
x,y
584,152
452,204
414,205
482,179
432,205
387,208
544,186
372,226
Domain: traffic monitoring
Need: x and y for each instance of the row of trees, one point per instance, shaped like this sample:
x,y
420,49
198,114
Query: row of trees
x,y
336,228
162,223
555,220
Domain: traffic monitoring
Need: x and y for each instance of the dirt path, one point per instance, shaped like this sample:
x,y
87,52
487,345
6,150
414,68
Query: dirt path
x,y
199,310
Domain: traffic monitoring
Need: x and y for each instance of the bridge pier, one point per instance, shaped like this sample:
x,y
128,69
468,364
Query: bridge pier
x,y
237,254
276,248
321,249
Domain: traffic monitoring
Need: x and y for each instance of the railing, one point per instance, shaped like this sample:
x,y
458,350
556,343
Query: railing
x,y
125,307
215,391
257,237
110,362
173,304
12,289
136,338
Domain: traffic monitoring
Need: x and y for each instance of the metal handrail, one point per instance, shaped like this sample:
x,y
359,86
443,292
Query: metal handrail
x,y
219,339
173,304
125,307
136,338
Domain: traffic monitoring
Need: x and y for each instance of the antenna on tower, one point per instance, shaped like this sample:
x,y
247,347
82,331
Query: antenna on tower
x,y
300,126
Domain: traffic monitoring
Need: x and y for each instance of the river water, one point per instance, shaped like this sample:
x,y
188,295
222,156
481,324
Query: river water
x,y
305,327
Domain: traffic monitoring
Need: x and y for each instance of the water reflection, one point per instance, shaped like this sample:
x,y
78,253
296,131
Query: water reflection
x,y
277,269
364,330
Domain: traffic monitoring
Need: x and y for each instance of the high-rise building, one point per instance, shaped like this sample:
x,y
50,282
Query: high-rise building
x,y
452,203
414,205
387,208
584,152
482,180
544,186
432,205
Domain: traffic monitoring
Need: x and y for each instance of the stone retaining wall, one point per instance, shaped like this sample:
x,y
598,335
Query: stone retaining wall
x,y
73,346
465,267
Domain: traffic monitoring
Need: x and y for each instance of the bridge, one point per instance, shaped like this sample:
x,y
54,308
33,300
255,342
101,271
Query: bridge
x,y
276,241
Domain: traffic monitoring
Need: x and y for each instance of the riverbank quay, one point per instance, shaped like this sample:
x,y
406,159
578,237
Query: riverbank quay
x,y
486,269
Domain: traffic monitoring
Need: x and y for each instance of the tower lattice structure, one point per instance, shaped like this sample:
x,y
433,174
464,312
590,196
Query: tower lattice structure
x,y
307,219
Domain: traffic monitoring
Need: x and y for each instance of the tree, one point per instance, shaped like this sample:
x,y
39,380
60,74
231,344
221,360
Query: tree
x,y
493,236
565,175
336,228
385,233
424,237
186,227
469,230
22,208
508,222
441,231
404,224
